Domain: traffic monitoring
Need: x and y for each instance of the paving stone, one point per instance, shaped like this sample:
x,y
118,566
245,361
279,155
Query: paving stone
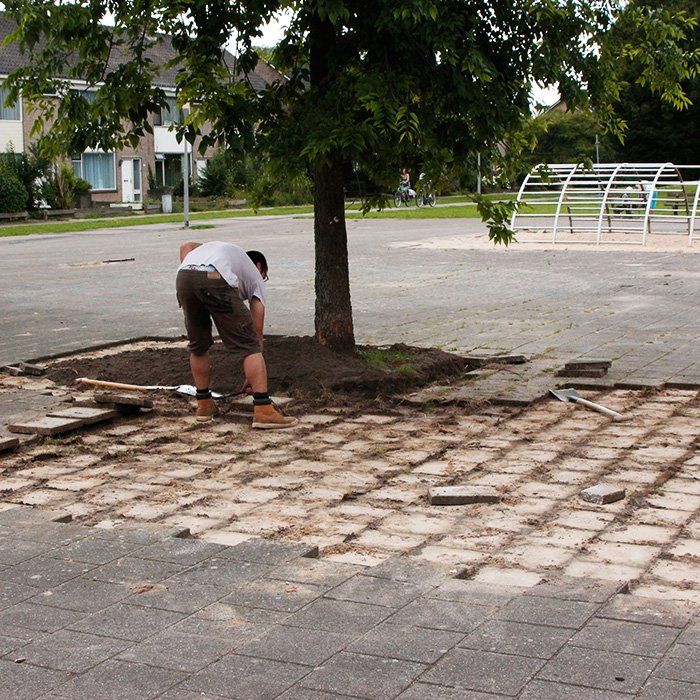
x,y
228,621
376,591
95,550
11,593
483,671
441,615
480,360
548,611
178,651
87,415
181,693
588,590
124,400
76,652
179,597
267,552
272,594
544,690
298,645
691,635
25,682
522,639
44,571
127,622
602,494
8,444
82,594
462,495
664,689
408,643
409,569
371,677
138,535
38,617
424,691
252,678
650,611
626,637
299,693
136,570
32,369
598,669
334,615
316,571
223,572
25,515
52,533
681,666
181,550
475,592
121,680
588,363
592,372
47,425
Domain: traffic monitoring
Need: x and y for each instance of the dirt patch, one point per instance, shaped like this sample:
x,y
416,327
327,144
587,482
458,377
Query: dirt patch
x,y
296,365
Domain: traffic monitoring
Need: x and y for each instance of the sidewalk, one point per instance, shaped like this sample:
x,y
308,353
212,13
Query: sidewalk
x,y
137,613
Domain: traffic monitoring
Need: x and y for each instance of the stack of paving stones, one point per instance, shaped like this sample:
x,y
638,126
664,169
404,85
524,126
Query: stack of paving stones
x,y
585,368
63,420
138,613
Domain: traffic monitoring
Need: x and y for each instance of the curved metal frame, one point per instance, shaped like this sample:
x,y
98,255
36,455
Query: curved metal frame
x,y
561,200
605,201
693,215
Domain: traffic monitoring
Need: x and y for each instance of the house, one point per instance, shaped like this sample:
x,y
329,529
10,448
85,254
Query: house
x,y
120,176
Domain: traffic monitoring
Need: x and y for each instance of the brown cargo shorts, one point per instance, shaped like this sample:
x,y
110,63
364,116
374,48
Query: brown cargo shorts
x,y
205,296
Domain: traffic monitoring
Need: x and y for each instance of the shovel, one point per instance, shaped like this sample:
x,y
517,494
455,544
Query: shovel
x,y
573,396
186,389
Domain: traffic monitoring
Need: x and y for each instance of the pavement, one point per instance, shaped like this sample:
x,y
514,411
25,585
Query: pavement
x,y
140,613
637,307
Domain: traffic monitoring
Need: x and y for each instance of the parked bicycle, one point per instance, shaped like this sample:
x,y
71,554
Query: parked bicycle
x,y
425,196
403,195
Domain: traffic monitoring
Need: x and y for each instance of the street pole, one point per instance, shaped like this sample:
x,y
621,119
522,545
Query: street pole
x,y
597,149
185,180
478,173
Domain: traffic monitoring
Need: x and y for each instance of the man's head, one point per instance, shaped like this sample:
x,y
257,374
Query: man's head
x,y
259,261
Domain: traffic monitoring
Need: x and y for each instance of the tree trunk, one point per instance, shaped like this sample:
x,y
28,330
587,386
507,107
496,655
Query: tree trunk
x,y
333,308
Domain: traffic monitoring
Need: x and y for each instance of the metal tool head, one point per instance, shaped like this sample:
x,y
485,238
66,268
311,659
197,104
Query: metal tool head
x,y
565,394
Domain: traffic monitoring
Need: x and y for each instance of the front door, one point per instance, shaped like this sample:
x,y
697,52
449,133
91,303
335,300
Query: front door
x,y
131,180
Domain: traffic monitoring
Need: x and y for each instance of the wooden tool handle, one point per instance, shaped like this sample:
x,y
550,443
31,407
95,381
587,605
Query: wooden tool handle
x,y
111,385
601,409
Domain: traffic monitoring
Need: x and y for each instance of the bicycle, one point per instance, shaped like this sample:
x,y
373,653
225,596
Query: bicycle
x,y
403,195
426,198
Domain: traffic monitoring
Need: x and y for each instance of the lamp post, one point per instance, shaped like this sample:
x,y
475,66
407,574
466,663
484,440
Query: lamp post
x,y
185,177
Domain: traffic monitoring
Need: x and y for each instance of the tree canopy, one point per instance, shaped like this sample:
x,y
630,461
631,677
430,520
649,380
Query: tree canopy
x,y
377,84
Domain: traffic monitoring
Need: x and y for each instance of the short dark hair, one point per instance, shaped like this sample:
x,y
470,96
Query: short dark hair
x,y
257,257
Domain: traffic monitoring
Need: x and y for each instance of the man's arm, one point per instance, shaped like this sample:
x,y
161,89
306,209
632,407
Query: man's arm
x,y
187,248
257,312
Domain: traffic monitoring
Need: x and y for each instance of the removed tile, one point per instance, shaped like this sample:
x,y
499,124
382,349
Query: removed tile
x,y
602,493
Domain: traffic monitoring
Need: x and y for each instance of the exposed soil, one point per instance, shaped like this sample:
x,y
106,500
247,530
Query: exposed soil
x,y
296,365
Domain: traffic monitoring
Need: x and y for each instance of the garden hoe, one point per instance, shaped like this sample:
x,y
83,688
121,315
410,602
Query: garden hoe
x,y
186,389
573,396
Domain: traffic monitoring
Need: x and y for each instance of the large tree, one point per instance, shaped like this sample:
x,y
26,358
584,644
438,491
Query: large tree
x,y
373,84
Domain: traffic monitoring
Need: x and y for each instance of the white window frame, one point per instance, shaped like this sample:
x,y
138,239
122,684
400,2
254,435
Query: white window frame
x,y
19,104
114,168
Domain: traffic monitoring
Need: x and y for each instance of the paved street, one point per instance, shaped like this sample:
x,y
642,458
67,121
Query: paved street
x,y
636,306
138,613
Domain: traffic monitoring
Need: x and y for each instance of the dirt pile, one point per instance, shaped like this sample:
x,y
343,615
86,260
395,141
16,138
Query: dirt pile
x,y
296,365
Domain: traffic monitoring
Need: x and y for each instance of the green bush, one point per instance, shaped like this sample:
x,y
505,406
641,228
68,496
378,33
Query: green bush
x,y
62,186
30,170
13,194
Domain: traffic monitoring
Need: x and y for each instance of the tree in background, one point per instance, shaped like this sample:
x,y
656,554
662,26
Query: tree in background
x,y
369,84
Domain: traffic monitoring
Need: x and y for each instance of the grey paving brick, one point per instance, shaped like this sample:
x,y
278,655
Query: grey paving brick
x,y
46,426
9,644
11,593
588,590
178,651
334,615
52,533
127,622
67,650
602,493
180,693
548,611
441,615
664,689
462,495
181,550
647,610
38,617
121,680
691,635
95,550
138,535
594,668
483,671
25,682
475,592
371,677
316,571
44,571
25,516
425,691
225,573
83,594
544,690
376,591
180,597
410,570
683,664
272,594
625,637
298,645
135,570
267,552
299,693
219,620
521,638
252,678
14,550
408,643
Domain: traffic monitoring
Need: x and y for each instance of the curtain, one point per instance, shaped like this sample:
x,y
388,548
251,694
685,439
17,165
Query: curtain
x,y
98,170
8,113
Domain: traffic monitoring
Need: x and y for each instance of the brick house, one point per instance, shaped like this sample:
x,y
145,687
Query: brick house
x,y
120,176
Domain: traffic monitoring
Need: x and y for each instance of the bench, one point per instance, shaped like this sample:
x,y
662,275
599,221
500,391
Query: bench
x,y
11,216
58,212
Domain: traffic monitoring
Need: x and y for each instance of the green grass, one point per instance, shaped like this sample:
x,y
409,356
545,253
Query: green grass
x,y
389,360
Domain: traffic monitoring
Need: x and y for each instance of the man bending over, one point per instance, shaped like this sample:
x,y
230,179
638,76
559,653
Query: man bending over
x,y
213,281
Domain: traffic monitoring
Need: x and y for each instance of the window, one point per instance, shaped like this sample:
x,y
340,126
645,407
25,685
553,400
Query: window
x,y
170,115
97,169
8,113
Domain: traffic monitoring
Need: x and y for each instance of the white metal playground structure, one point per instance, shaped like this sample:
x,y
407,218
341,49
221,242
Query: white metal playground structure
x,y
608,203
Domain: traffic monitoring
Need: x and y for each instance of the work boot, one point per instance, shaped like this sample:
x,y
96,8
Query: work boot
x,y
206,410
267,417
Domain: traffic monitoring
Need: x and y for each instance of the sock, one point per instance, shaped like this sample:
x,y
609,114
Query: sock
x,y
203,394
261,399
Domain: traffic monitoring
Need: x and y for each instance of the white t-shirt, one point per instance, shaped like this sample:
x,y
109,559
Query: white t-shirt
x,y
233,264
